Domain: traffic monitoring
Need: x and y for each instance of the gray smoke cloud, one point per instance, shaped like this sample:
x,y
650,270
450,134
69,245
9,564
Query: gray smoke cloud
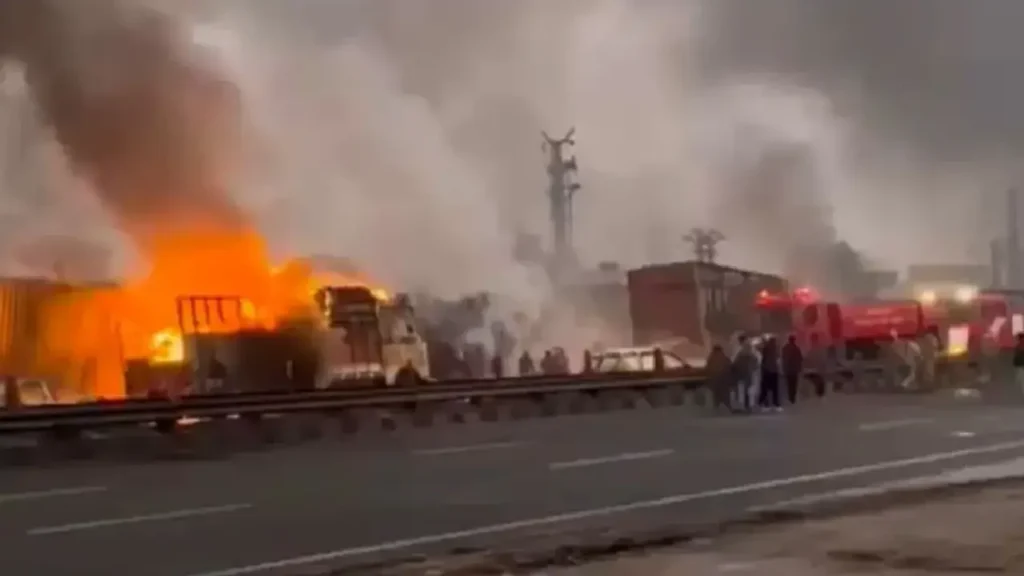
x,y
136,112
406,136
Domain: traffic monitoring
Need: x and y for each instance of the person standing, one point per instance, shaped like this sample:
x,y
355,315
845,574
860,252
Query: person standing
x,y
770,368
792,368
526,366
548,363
745,367
1018,362
720,377
817,364
498,366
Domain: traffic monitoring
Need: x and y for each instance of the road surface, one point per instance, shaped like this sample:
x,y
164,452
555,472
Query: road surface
x,y
294,511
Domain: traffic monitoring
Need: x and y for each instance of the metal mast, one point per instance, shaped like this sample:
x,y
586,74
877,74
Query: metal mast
x,y
561,189
1012,250
705,244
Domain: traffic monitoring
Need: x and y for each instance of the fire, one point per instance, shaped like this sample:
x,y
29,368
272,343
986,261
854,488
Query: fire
x,y
167,347
141,319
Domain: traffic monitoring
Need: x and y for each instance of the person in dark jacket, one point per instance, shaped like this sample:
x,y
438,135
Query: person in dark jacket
x,y
770,368
548,364
498,366
526,366
1018,362
792,368
659,360
720,377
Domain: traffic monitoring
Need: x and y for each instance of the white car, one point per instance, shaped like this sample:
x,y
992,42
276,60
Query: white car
x,y
33,393
639,359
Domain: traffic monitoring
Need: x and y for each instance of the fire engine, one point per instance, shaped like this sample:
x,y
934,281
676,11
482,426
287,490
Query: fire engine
x,y
857,328
867,325
802,313
967,318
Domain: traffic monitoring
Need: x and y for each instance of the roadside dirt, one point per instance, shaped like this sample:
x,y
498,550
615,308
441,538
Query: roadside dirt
x,y
980,532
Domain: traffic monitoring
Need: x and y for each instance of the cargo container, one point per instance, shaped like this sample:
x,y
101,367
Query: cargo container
x,y
687,307
60,334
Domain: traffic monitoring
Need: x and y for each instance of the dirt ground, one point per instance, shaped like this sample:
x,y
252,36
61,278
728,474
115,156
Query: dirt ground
x,y
971,533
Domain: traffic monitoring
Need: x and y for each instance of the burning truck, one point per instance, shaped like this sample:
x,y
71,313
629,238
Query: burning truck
x,y
323,330
160,138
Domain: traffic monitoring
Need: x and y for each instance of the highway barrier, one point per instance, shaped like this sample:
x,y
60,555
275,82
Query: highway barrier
x,y
105,415
224,424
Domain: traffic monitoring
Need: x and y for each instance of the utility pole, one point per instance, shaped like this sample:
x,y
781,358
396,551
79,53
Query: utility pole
x,y
705,243
561,190
1012,251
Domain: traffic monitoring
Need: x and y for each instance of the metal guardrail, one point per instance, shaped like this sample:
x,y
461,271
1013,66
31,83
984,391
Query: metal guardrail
x,y
346,393
29,420
103,415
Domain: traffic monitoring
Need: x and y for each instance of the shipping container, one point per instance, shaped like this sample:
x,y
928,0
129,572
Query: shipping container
x,y
62,334
689,306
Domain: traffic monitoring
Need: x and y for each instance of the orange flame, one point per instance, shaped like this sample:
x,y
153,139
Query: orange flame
x,y
141,319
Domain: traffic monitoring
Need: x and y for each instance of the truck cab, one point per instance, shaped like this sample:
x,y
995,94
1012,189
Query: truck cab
x,y
365,336
802,313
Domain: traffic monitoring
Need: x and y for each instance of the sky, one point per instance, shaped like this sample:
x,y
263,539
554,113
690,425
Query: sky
x,y
406,135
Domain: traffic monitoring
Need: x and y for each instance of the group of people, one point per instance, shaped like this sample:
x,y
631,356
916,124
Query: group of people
x,y
554,361
761,369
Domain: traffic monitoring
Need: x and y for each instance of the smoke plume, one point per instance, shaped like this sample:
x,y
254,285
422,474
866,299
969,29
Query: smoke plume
x,y
406,136
136,112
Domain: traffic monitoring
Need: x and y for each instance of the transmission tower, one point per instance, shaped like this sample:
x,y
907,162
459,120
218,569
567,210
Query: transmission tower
x,y
705,243
1013,248
561,190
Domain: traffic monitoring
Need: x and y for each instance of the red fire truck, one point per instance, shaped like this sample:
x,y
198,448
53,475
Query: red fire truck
x,y
992,316
801,313
856,328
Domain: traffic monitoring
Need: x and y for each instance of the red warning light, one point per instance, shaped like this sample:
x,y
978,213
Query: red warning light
x,y
766,298
805,294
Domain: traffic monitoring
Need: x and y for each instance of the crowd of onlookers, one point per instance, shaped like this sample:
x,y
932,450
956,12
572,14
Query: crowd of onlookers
x,y
764,374
761,373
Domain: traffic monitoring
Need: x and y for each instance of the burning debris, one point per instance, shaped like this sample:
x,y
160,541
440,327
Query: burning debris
x,y
156,129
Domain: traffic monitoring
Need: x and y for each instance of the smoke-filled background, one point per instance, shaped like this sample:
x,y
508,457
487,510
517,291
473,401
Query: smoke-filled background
x,y
406,135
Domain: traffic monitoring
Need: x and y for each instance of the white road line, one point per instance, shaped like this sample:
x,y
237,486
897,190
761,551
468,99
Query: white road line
x,y
289,563
109,522
893,424
467,448
54,493
624,457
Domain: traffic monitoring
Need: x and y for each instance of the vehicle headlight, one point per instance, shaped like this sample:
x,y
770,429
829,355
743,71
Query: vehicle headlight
x,y
966,293
928,297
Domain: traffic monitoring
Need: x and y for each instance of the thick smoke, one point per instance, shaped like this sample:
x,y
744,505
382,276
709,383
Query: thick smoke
x,y
384,118
136,111
406,135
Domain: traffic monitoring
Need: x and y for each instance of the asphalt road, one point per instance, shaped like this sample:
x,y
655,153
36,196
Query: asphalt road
x,y
294,511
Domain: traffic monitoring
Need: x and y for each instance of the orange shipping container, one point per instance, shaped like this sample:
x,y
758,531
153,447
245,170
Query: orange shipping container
x,y
62,334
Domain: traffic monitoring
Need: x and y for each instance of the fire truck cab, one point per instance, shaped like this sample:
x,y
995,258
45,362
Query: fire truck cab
x,y
801,313
969,319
